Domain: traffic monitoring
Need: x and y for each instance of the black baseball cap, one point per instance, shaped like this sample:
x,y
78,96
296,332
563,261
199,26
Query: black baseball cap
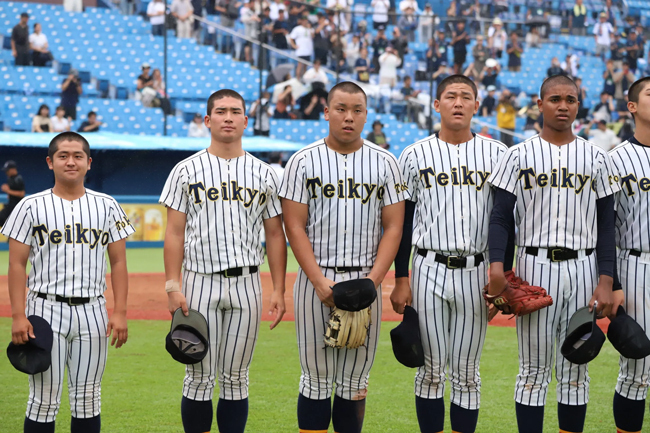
x,y
407,343
627,336
584,338
354,295
35,356
187,341
9,164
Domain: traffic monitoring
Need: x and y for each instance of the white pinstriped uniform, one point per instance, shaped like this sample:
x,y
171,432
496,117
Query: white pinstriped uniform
x,y
631,162
453,205
556,188
345,195
68,241
226,201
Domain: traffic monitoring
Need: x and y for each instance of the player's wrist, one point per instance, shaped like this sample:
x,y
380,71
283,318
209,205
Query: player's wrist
x,y
172,286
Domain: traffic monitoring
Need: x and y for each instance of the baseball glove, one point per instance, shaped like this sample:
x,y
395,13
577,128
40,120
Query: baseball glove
x,y
347,328
518,297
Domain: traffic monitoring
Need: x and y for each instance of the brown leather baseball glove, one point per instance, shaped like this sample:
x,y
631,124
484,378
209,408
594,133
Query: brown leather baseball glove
x,y
518,297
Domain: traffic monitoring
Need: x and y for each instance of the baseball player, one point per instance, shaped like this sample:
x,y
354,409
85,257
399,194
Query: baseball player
x,y
630,161
14,188
561,190
342,200
217,202
65,232
446,175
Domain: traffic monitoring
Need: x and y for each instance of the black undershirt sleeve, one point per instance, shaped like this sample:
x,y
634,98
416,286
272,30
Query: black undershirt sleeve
x,y
501,237
606,244
404,252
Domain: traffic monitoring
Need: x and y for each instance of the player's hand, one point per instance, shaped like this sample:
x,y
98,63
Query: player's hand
x,y
118,326
497,282
277,305
324,291
176,300
602,294
4,187
21,330
401,295
618,298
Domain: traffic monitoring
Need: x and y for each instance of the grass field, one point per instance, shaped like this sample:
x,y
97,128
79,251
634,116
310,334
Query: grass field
x,y
142,386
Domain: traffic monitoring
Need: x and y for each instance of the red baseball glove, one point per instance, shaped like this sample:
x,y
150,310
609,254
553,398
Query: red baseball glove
x,y
518,297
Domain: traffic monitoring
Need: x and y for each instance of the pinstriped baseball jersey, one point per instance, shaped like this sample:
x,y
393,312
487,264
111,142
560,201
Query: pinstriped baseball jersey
x,y
556,188
631,163
449,183
68,240
345,194
225,201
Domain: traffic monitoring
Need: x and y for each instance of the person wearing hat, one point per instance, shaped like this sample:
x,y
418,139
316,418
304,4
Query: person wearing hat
x,y
71,89
497,38
197,128
489,102
603,32
66,232
377,135
631,160
145,86
14,188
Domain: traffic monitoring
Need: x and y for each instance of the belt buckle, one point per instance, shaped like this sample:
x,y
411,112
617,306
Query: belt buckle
x,y
449,259
339,269
72,303
553,251
225,274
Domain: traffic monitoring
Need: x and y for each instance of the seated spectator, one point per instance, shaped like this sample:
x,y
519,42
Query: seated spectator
x,y
489,103
362,66
555,69
280,31
603,110
377,135
407,24
262,112
460,40
91,124
380,13
490,73
315,74
42,122
312,106
284,105
413,107
197,127
156,14
40,50
144,86
388,63
161,100
183,11
59,122
497,38
514,53
532,38
20,41
602,136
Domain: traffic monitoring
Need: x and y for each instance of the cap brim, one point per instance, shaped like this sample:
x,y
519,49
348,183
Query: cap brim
x,y
194,319
579,318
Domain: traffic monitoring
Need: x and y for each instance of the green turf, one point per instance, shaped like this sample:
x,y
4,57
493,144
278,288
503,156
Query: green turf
x,y
142,386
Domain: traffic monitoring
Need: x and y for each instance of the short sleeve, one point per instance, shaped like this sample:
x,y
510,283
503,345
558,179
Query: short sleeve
x,y
294,185
395,189
20,223
506,173
409,173
175,192
273,206
605,183
119,226
294,33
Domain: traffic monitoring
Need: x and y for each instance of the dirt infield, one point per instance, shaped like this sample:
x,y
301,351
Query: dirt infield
x,y
147,298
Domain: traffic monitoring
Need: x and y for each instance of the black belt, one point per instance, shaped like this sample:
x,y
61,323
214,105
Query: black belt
x,y
453,262
237,272
558,254
343,269
635,253
70,301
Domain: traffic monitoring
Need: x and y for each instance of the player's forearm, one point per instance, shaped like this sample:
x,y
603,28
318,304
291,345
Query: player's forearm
x,y
386,253
120,285
304,253
404,251
16,193
17,280
501,225
173,251
276,249
606,241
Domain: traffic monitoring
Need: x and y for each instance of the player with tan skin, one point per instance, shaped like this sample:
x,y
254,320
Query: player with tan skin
x,y
227,123
70,165
560,107
346,114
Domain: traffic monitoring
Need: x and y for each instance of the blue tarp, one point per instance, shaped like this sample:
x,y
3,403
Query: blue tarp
x,y
113,141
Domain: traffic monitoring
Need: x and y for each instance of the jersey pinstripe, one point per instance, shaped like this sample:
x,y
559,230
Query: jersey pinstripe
x,y
454,200
68,240
631,164
345,194
225,201
556,188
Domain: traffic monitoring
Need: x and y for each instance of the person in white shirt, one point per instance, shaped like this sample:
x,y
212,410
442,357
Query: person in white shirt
x,y
602,136
570,65
183,11
197,127
405,4
427,21
380,15
388,63
60,123
497,38
156,14
315,74
603,32
352,50
40,49
302,40
276,7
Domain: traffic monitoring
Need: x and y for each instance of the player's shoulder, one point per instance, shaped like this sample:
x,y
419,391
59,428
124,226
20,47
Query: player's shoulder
x,y
309,150
188,162
100,196
596,150
621,149
372,148
490,142
36,197
258,165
